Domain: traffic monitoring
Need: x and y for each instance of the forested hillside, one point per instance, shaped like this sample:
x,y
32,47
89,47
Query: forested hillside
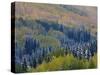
x,y
51,37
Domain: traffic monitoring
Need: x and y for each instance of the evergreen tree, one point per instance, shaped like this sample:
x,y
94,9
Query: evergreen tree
x,y
24,65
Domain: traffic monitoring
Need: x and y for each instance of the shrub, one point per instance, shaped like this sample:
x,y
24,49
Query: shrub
x,y
93,62
68,62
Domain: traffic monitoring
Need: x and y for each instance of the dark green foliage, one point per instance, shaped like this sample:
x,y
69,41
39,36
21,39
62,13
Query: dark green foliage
x,y
24,65
29,45
18,68
40,51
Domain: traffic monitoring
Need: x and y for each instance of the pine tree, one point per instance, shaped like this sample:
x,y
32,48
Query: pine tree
x,y
24,65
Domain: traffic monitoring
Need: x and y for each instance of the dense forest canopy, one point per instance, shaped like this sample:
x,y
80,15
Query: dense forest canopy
x,y
54,34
